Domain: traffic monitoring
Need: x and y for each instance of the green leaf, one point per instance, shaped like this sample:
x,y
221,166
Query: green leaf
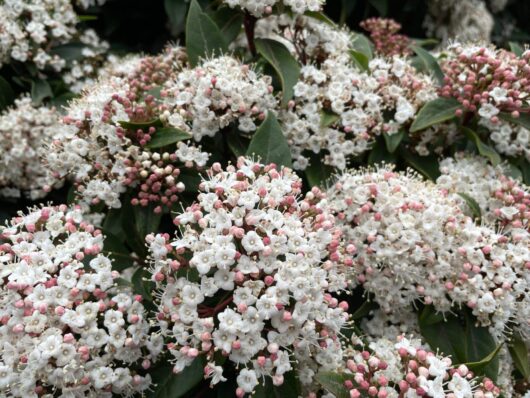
x,y
362,44
140,125
203,36
70,52
516,48
113,222
320,16
523,119
317,173
167,136
270,144
393,140
84,18
481,366
428,166
7,96
289,388
479,345
328,118
142,284
379,154
283,63
176,12
519,353
235,143
40,89
360,59
447,336
524,165
483,149
170,385
429,62
146,220
434,112
116,250
381,6
363,310
429,316
334,383
229,21
62,100
473,206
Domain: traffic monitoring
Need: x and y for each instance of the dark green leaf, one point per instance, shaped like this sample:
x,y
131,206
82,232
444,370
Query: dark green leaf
x,y
230,22
428,166
116,250
328,118
524,165
40,89
484,363
203,36
170,385
447,336
523,119
334,383
320,16
516,48
236,144
167,136
176,12
318,174
140,125
62,100
379,154
393,141
430,63
289,388
381,6
429,316
283,63
519,353
360,59
483,149
146,220
434,112
113,222
84,18
70,52
473,206
360,43
363,310
270,144
479,345
7,96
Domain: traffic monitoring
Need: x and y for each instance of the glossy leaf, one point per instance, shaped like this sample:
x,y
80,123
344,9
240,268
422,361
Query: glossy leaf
x,y
519,353
146,219
167,136
429,63
269,143
70,51
171,385
318,174
393,140
434,112
320,16
328,118
479,345
283,63
381,6
516,48
229,21
40,89
116,250
428,166
523,119
203,36
447,336
360,59
483,149
362,44
140,125
482,365
473,206
379,154
334,383
176,12
7,96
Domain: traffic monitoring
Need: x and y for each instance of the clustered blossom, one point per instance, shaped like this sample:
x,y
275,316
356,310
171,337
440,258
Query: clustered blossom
x,y
105,152
465,20
380,324
258,8
503,201
28,27
358,103
269,260
220,91
509,139
24,129
65,327
412,242
406,369
487,81
308,39
387,41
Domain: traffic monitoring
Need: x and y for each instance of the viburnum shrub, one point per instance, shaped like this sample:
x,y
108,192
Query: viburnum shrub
x,y
253,198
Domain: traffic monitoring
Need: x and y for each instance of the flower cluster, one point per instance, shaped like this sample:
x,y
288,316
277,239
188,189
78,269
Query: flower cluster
x,y
502,200
220,91
383,32
103,144
486,80
412,242
510,139
356,105
406,368
30,27
465,20
64,325
265,263
25,129
258,8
